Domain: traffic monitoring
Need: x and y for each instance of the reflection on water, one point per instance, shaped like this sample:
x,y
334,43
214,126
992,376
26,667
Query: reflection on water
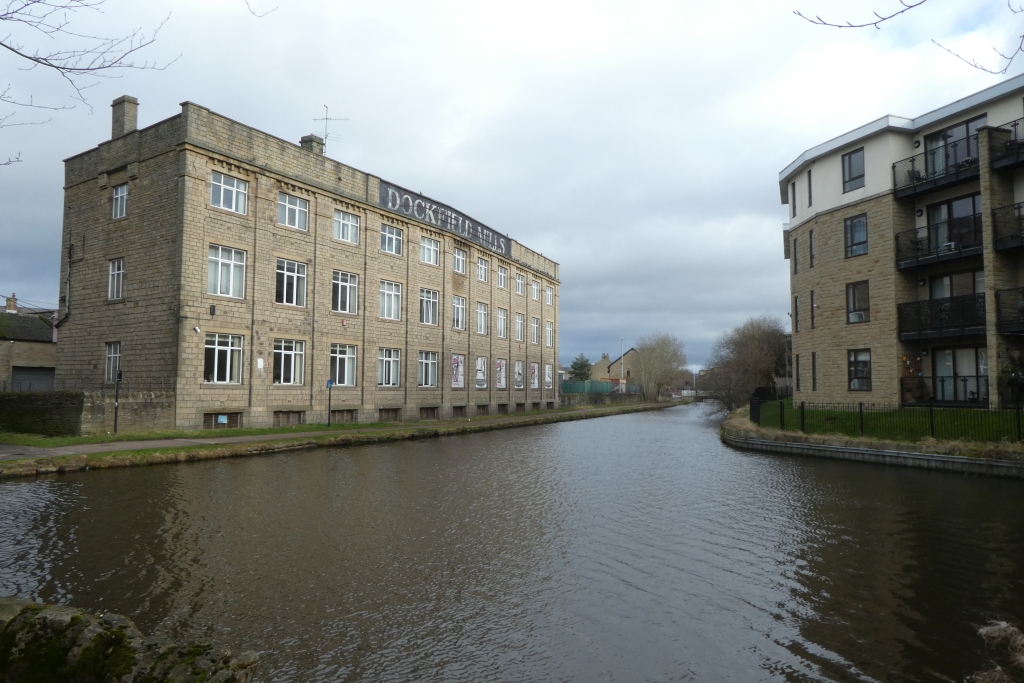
x,y
635,547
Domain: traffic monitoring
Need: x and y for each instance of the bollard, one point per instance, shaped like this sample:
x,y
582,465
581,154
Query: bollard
x,y
1018,421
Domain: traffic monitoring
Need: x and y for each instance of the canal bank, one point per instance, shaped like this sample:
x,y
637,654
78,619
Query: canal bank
x,y
987,459
114,454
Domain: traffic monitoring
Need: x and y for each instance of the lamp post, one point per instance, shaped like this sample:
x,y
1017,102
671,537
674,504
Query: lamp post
x,y
330,387
117,398
622,387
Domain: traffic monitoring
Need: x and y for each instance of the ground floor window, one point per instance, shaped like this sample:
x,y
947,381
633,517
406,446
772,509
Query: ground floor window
x,y
343,364
223,360
520,373
481,372
458,371
289,361
389,366
534,376
428,369
499,373
859,361
549,377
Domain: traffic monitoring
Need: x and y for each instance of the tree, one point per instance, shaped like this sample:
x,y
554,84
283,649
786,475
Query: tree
x,y
580,368
658,360
749,356
1005,57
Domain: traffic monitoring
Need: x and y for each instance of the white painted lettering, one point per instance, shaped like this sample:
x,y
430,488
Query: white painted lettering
x,y
417,209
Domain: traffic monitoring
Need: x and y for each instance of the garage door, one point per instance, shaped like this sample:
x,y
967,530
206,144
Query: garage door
x,y
32,379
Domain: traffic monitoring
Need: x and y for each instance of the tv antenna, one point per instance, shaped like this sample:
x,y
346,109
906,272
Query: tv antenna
x,y
327,119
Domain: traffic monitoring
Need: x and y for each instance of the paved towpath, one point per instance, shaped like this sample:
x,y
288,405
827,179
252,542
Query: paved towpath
x,y
9,452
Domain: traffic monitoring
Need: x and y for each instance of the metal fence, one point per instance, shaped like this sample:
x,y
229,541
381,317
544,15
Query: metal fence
x,y
590,386
889,421
963,314
951,161
939,241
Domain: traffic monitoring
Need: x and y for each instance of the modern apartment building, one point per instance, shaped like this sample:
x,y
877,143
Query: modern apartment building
x,y
906,254
227,276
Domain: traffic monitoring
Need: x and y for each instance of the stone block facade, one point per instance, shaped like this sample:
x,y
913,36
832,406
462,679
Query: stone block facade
x,y
167,308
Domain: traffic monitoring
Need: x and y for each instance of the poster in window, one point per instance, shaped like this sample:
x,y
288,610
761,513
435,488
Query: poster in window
x,y
548,377
534,377
519,375
499,373
481,372
458,371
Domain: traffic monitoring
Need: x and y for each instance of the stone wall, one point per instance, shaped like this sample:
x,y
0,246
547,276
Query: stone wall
x,y
53,413
138,411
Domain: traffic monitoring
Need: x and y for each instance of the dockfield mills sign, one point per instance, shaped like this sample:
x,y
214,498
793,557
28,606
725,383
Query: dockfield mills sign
x,y
418,207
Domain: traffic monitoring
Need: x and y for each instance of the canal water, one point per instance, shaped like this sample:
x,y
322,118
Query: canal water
x,y
629,548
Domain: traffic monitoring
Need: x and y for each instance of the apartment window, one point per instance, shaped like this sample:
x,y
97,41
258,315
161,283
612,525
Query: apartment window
x,y
481,318
813,306
458,312
289,356
120,202
430,250
796,370
291,283
814,371
549,333
428,369
810,245
390,300
481,372
428,306
459,261
391,240
796,257
225,272
859,369
228,193
856,231
792,199
346,227
535,330
343,365
389,363
345,292
535,290
113,361
481,269
853,170
222,363
549,295
796,314
502,323
858,303
115,280
292,211
810,193
503,277
520,327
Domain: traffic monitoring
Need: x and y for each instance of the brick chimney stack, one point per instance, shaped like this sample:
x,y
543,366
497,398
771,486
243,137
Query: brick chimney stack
x,y
12,303
312,143
125,117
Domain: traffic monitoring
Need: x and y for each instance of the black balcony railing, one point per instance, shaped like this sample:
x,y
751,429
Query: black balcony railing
x,y
1010,311
943,166
950,317
957,238
1008,226
967,390
1007,148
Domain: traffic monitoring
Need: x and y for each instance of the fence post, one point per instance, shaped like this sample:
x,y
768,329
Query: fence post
x,y
931,419
803,421
1017,411
860,407
782,415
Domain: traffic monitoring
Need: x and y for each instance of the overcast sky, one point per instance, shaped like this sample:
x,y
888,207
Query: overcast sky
x,y
638,144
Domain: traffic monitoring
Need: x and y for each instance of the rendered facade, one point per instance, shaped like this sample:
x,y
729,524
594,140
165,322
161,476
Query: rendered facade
x,y
906,256
228,275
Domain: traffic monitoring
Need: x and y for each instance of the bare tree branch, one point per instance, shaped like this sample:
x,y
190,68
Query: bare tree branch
x,y
1008,59
260,16
821,22
11,160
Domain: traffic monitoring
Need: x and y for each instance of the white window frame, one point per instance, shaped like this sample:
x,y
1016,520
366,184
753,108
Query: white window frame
x,y
390,300
346,226
549,295
112,362
292,211
502,323
427,374
459,261
520,327
429,299
549,333
391,240
227,356
115,279
430,251
119,201
520,283
225,271
535,290
502,277
389,367
296,277
482,266
458,312
349,284
535,330
481,317
290,356
343,364
230,194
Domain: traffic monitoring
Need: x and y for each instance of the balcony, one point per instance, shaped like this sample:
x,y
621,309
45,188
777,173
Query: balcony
x,y
1007,148
1010,311
946,241
945,166
959,390
954,316
1008,226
